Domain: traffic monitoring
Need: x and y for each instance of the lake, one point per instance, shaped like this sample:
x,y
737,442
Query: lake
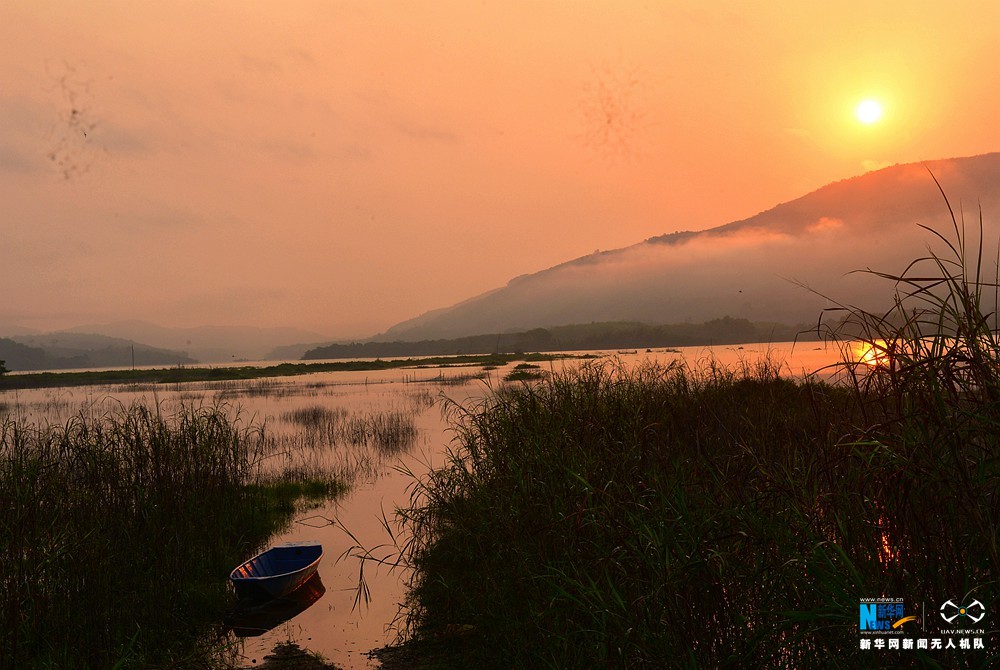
x,y
293,410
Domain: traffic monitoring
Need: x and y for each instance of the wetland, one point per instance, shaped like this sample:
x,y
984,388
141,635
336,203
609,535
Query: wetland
x,y
576,516
194,476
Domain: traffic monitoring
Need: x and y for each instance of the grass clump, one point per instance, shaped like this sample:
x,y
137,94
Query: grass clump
x,y
587,518
665,516
524,372
118,530
318,420
385,432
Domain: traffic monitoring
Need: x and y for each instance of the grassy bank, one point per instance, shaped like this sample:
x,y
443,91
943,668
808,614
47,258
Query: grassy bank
x,y
177,375
726,518
117,531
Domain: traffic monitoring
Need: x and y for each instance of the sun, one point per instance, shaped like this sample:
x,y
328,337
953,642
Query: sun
x,y
868,111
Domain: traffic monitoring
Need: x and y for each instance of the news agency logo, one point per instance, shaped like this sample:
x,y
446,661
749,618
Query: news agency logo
x,y
882,616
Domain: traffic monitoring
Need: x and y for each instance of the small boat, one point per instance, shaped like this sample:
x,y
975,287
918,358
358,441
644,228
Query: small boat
x,y
277,571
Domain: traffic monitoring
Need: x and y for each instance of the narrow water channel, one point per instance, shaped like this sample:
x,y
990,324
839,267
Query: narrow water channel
x,y
338,626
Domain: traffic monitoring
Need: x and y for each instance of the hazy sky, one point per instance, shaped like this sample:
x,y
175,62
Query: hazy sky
x,y
342,166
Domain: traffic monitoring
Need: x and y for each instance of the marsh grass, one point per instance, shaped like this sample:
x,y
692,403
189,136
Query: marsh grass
x,y
387,432
350,445
180,375
585,517
525,372
713,517
117,531
424,399
442,379
320,420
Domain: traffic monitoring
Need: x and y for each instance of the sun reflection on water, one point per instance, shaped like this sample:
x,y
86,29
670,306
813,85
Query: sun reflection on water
x,y
873,354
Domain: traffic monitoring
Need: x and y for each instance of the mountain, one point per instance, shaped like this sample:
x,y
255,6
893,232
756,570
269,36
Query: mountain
x,y
208,344
752,269
56,351
19,356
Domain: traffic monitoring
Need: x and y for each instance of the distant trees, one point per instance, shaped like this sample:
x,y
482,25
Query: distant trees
x,y
600,335
3,367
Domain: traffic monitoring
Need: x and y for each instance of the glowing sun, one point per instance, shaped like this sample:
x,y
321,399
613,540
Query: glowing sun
x,y
868,111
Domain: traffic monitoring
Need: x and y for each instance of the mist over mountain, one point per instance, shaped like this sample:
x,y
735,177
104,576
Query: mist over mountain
x,y
754,268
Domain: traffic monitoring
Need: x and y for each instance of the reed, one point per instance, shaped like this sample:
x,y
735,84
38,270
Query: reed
x,y
387,432
318,420
586,517
117,530
670,516
332,440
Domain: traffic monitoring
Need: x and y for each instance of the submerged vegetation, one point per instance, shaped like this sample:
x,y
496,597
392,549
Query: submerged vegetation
x,y
118,529
669,516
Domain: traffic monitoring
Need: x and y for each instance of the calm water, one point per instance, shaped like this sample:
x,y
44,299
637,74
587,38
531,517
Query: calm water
x,y
332,625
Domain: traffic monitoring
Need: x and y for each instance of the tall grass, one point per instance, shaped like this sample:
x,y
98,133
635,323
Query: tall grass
x,y
116,531
623,516
713,517
932,398
387,432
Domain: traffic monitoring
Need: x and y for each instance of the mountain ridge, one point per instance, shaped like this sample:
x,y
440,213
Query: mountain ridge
x,y
753,268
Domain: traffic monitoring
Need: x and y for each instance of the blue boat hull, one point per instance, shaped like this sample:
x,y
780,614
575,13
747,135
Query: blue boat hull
x,y
278,571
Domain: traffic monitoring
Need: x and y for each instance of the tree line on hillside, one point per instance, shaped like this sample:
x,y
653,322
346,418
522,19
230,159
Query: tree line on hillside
x,y
604,335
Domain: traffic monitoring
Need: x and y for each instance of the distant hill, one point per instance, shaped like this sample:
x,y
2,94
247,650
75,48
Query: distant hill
x,y
19,357
749,269
57,351
208,344
292,352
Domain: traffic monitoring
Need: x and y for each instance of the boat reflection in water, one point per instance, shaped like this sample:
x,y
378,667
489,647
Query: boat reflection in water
x,y
253,617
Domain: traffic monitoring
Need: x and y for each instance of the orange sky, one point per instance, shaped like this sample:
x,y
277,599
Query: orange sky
x,y
342,166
